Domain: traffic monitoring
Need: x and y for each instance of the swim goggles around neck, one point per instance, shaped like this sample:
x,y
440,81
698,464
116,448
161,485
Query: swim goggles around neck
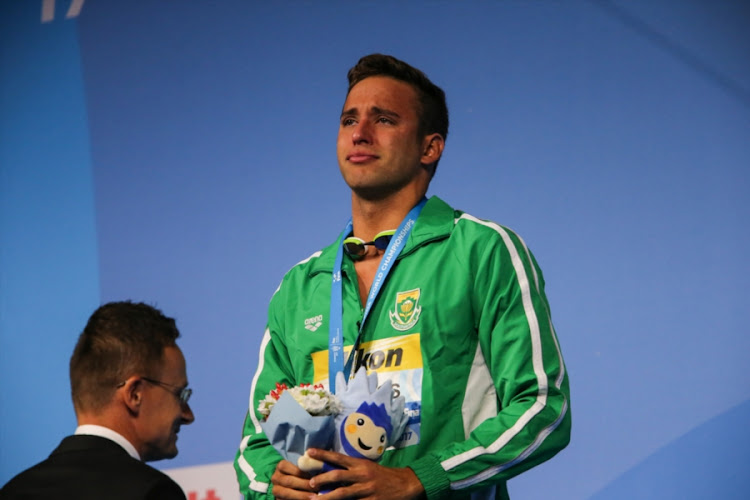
x,y
357,247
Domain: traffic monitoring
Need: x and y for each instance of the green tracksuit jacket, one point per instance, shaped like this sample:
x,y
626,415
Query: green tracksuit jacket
x,y
461,326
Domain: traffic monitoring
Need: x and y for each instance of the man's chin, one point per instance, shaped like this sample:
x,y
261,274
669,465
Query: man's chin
x,y
374,193
172,451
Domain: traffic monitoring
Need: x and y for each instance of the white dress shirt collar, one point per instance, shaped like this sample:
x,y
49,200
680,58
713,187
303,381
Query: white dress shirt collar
x,y
105,432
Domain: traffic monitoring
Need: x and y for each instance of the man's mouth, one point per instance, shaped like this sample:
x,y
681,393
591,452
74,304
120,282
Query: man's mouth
x,y
360,157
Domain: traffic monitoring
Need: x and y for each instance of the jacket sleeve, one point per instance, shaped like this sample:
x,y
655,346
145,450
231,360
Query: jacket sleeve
x,y
523,358
256,458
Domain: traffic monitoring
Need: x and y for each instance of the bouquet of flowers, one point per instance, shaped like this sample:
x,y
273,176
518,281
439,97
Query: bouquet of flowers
x,y
362,422
315,399
299,418
368,420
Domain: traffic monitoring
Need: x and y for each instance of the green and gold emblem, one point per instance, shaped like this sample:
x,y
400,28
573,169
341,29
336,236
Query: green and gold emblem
x,y
406,312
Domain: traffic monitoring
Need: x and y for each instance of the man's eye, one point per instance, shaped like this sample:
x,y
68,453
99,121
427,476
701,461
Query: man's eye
x,y
347,121
384,119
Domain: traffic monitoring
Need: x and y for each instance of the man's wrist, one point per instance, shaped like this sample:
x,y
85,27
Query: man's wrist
x,y
414,487
432,477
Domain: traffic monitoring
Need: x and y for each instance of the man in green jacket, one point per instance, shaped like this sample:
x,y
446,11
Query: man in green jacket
x,y
448,307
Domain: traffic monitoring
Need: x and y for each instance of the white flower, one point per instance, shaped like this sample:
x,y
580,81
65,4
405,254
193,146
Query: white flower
x,y
264,407
313,398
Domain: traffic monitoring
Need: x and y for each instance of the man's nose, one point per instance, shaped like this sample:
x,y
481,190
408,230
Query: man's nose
x,y
361,132
187,414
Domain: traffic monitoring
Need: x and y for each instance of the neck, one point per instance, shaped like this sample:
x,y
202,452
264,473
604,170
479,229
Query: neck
x,y
112,420
369,217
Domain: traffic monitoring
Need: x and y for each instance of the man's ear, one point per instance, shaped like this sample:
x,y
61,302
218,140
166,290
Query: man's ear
x,y
131,394
432,148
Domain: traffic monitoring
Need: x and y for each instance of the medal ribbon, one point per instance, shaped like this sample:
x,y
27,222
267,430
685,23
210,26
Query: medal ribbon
x,y
336,339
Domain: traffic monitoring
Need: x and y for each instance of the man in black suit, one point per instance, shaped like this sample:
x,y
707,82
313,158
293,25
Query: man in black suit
x,y
129,389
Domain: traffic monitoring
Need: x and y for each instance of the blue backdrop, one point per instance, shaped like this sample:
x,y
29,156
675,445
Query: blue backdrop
x,y
183,154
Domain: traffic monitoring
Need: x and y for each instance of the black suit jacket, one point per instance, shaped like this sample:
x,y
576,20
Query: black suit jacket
x,y
91,468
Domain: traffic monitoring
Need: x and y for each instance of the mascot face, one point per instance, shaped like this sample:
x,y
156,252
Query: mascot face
x,y
363,437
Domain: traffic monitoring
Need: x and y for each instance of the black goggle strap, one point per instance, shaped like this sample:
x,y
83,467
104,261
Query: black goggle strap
x,y
356,247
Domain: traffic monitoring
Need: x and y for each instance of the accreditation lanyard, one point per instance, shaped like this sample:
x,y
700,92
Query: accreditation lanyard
x,y
336,339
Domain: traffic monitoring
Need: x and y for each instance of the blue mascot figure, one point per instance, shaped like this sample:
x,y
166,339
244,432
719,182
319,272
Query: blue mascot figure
x,y
373,419
364,433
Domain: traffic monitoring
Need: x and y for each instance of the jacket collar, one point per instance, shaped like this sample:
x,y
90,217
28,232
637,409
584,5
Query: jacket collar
x,y
436,221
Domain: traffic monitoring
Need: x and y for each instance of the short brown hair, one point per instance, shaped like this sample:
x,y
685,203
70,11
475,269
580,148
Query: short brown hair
x,y
120,339
433,110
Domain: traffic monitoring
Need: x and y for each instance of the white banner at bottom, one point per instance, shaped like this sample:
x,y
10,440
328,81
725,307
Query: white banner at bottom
x,y
207,482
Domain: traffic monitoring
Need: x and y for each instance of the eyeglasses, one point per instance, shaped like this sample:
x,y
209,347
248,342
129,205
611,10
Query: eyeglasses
x,y
183,394
356,247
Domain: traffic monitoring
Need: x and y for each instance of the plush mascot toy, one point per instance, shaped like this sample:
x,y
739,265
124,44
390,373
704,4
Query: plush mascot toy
x,y
372,420
364,433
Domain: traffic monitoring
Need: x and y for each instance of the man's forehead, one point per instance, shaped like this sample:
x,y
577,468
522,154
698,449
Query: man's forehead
x,y
379,94
173,362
